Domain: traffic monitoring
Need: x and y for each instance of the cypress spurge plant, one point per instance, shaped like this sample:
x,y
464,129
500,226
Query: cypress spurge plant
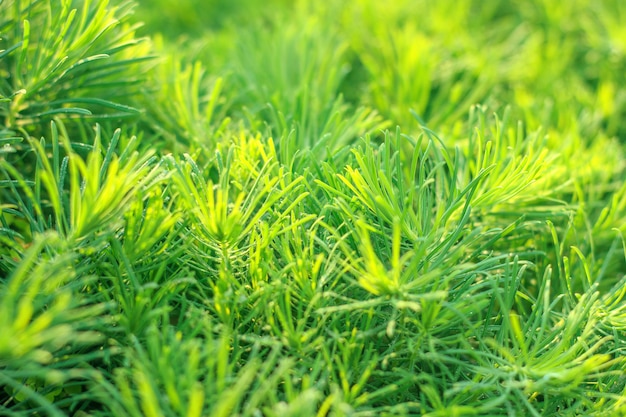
x,y
319,209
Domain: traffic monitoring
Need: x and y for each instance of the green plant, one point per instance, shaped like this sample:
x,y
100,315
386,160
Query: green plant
x,y
312,209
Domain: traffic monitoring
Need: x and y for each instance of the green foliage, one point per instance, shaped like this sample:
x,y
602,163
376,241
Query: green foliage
x,y
312,208
73,67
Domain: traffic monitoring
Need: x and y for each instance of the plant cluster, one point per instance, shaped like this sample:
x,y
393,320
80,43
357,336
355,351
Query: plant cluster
x,y
312,208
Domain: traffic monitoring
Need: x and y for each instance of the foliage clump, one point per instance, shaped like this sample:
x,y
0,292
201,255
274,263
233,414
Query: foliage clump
x,y
312,208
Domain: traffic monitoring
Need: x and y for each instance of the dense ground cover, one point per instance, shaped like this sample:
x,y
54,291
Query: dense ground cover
x,y
312,208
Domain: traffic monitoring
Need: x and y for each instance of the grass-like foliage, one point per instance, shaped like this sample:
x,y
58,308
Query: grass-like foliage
x,y
312,208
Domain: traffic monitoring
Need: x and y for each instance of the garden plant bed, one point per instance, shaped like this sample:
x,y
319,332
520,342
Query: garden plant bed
x,y
312,208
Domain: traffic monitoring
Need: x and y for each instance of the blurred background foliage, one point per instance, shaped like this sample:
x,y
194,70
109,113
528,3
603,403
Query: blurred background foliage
x,y
435,58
